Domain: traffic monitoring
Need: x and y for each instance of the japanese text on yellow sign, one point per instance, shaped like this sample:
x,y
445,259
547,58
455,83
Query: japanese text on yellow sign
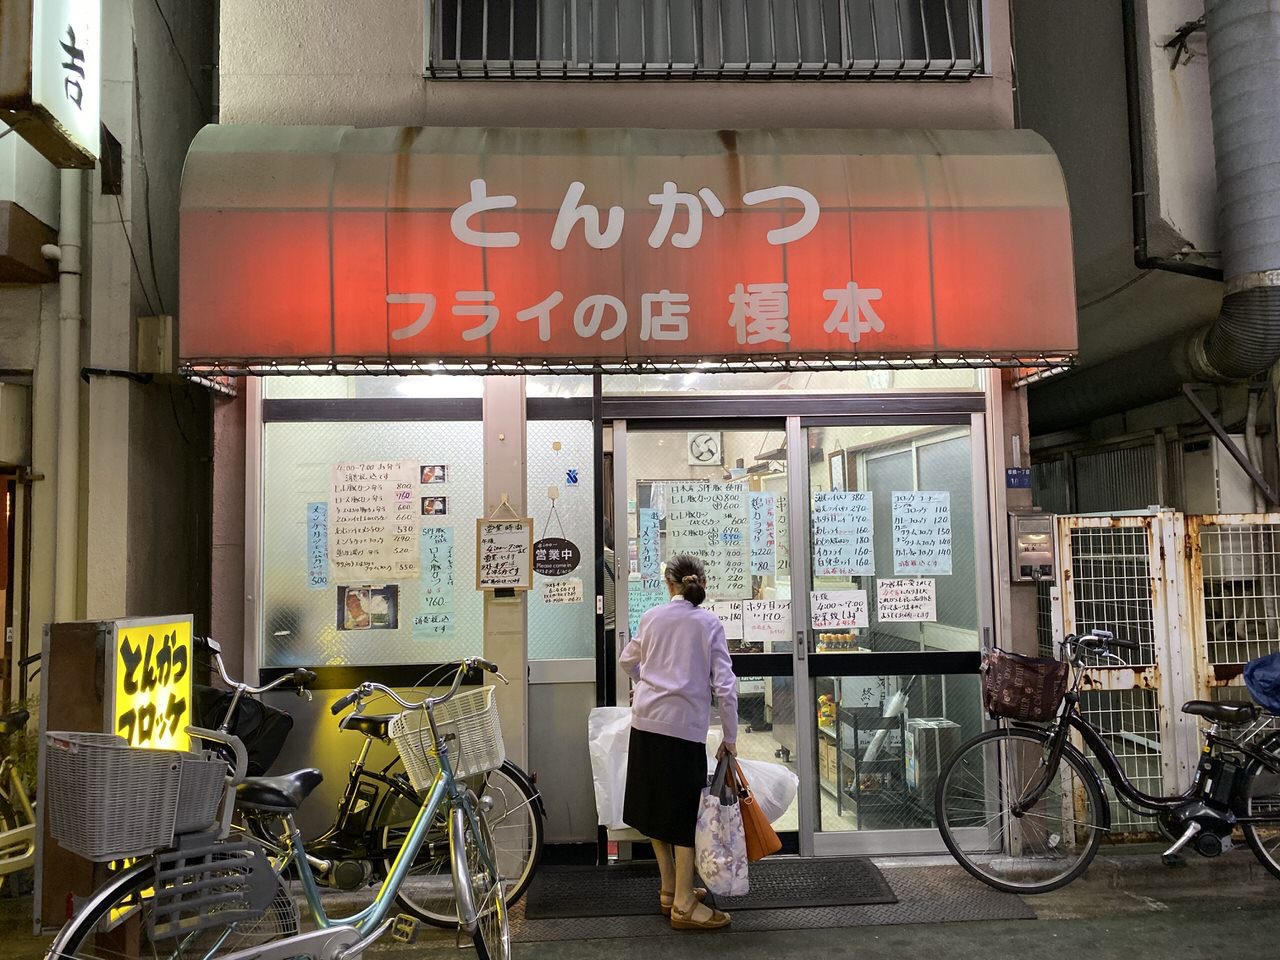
x,y
152,700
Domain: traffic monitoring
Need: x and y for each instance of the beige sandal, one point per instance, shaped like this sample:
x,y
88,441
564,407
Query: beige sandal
x,y
684,921
665,899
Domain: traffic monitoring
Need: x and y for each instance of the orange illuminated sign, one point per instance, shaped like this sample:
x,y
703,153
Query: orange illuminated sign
x,y
608,246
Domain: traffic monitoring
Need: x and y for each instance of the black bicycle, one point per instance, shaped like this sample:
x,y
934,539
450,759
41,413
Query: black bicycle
x,y
1022,808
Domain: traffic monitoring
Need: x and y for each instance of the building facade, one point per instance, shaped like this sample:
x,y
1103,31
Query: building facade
x,y
330,230
107,450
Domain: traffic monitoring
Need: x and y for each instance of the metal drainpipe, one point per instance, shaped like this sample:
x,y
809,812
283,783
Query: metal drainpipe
x,y
67,479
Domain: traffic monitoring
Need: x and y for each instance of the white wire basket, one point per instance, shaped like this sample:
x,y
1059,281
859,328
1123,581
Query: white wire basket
x,y
108,801
475,745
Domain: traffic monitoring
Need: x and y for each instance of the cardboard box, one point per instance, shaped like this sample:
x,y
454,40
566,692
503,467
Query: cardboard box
x,y
930,743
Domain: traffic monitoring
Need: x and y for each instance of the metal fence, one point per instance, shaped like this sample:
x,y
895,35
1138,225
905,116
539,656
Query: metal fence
x,y
1200,594
705,39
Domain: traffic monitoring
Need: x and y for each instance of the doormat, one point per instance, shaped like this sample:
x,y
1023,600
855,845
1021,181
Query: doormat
x,y
782,883
934,894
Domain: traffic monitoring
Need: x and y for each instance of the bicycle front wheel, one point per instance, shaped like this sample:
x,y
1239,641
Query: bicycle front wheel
x,y
514,819
1019,851
482,908
118,923
1262,799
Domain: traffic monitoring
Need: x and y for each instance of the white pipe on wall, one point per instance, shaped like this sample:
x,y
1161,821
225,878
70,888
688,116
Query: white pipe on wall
x,y
67,478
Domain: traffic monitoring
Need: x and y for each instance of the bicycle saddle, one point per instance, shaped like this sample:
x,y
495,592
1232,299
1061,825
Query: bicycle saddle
x,y
282,794
14,721
1222,712
372,725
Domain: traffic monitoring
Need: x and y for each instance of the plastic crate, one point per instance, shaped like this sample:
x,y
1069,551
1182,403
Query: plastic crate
x,y
476,745
107,800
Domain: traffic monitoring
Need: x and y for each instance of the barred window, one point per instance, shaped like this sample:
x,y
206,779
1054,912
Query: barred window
x,y
707,39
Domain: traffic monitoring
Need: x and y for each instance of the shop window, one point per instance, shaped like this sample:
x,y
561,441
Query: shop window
x,y
315,614
799,381
562,607
331,387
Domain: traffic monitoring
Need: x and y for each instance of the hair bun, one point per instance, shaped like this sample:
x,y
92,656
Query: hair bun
x,y
691,578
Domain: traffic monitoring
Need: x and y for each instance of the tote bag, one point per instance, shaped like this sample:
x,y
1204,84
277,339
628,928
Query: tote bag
x,y
719,845
761,838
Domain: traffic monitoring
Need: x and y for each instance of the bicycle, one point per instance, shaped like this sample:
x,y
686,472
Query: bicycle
x,y
378,807
213,899
17,818
1023,810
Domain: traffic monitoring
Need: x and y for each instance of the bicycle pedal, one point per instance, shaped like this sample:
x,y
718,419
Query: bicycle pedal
x,y
404,929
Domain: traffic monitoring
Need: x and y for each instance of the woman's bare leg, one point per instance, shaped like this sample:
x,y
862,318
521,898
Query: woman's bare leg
x,y
685,901
666,865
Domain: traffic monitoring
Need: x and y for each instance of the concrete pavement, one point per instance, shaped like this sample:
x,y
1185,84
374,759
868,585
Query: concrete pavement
x,y
1127,906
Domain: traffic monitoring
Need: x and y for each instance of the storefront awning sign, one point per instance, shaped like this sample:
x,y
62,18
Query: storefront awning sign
x,y
305,244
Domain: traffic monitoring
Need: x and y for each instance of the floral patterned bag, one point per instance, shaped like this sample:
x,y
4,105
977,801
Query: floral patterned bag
x,y
719,843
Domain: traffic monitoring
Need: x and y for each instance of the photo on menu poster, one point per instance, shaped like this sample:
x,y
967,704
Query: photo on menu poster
x,y
435,506
433,473
369,608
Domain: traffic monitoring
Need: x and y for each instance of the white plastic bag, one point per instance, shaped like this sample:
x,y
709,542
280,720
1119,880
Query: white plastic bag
x,y
609,736
608,740
719,843
773,785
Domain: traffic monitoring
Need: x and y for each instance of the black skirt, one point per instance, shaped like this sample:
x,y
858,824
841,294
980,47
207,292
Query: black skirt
x,y
665,780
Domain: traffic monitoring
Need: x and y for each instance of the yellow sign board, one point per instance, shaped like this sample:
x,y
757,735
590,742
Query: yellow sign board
x,y
151,703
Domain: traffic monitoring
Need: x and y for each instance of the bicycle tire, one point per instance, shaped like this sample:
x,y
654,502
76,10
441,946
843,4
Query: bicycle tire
x,y
482,909
93,934
516,821
1034,852
1262,794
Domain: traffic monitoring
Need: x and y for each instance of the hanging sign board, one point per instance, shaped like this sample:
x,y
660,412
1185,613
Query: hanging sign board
x,y
150,698
516,247
51,76
504,554
556,557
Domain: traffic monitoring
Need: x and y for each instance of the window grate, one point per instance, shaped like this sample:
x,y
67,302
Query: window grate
x,y
1129,721
705,39
1241,582
1111,574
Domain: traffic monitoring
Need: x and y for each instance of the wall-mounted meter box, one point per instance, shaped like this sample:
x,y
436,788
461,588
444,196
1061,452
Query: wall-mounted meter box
x,y
1031,546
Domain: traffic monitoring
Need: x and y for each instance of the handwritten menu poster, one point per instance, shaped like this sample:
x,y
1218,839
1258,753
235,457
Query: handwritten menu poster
x,y
568,590
730,614
435,616
710,521
317,545
373,522
784,545
908,601
842,534
644,593
922,532
832,609
504,554
767,622
762,520
649,549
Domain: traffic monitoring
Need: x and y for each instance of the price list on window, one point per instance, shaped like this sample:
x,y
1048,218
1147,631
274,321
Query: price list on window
x,y
710,521
842,535
373,528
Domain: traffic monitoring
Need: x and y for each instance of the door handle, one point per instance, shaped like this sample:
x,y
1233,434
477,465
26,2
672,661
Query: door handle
x,y
802,645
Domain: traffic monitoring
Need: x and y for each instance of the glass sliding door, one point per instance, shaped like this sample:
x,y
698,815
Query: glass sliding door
x,y
848,558
720,493
895,594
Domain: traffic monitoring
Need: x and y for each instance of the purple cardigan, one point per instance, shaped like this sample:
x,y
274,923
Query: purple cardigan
x,y
679,658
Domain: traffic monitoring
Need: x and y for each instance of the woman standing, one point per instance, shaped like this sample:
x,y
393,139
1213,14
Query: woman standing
x,y
679,659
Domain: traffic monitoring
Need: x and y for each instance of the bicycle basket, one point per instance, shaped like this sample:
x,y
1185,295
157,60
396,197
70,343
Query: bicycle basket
x,y
1023,688
469,722
107,800
1262,677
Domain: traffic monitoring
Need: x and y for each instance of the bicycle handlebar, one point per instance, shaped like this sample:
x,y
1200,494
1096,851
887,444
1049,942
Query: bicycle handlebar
x,y
1095,640
300,678
368,688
